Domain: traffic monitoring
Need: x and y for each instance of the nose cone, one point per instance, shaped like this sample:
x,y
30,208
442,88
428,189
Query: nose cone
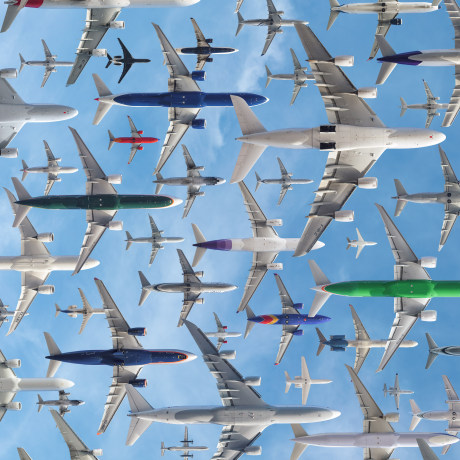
x,y
90,263
68,112
230,287
221,181
175,201
191,356
63,383
259,100
334,414
436,137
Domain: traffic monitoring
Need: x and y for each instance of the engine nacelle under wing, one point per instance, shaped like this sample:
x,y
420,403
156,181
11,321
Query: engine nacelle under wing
x,y
253,450
8,73
253,381
392,417
275,266
199,274
13,405
46,289
115,225
274,222
97,452
199,75
428,315
299,332
369,92
45,237
99,52
117,25
298,306
9,152
428,262
198,123
137,331
368,183
344,61
138,383
344,216
114,179
13,363
228,354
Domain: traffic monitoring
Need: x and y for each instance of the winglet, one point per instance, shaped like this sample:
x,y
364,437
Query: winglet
x,y
53,351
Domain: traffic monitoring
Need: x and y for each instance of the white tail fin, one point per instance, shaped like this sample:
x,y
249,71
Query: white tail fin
x,y
288,383
322,342
111,139
21,210
146,288
334,13
240,23
387,67
199,238
249,324
40,403
24,170
320,280
269,76
23,62
11,13
129,240
259,181
400,191
299,447
53,351
249,123
159,186
162,448
431,356
403,107
137,404
104,105
415,420
58,310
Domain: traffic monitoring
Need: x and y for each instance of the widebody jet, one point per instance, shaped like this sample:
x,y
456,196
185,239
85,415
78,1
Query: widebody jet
x,y
63,402
395,391
221,334
434,350
359,243
186,447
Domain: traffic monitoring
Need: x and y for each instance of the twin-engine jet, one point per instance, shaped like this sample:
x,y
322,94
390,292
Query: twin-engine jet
x,y
63,403
5,314
221,334
434,350
395,391
185,448
359,243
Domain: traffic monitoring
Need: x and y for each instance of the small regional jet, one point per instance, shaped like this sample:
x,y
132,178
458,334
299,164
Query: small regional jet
x,y
52,169
221,334
303,381
127,356
63,403
434,350
387,12
299,77
290,319
194,181
185,448
274,23
191,287
49,63
395,391
136,140
450,198
203,49
87,311
360,243
155,240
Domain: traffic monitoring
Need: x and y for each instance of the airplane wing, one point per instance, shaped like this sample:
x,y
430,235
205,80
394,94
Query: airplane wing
x,y
49,155
132,127
63,396
189,163
271,32
450,179
383,26
153,226
295,93
8,130
429,94
46,50
187,305
5,396
271,7
47,74
454,406
153,254
23,455
429,118
283,170
189,277
97,24
360,334
133,151
233,392
283,192
126,68
126,65
50,182
201,59
343,169
426,451
192,191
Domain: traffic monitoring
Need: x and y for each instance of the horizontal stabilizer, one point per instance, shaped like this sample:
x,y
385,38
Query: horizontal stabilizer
x,y
137,404
332,15
111,140
129,240
248,121
415,420
431,356
159,186
199,238
385,71
249,154
299,447
146,288
322,341
24,170
318,301
320,278
249,324
11,13
403,107
240,23
269,76
385,47
53,351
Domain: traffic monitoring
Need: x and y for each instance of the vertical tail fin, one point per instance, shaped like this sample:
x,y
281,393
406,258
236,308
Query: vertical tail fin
x,y
415,420
240,23
104,106
431,356
249,323
53,351
23,62
40,403
403,107
146,288
58,310
129,240
111,140
288,383
269,76
159,186
334,13
259,181
24,170
322,341
400,191
199,238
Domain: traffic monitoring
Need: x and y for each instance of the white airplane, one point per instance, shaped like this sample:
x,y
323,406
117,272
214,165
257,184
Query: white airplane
x,y
360,243
395,391
434,350
185,448
274,23
52,169
303,381
222,334
426,450
63,402
10,384
87,311
378,438
49,63
265,245
155,240
238,396
299,77
387,14
191,287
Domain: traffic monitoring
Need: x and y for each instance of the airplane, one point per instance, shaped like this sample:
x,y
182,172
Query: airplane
x,y
15,113
265,245
204,49
426,450
155,240
238,396
274,23
378,438
63,402
184,99
87,311
395,391
412,288
126,60
52,169
362,342
387,14
290,319
304,381
194,181
77,448
101,201
360,244
35,264
437,58
185,448
10,384
434,350
127,356
5,314
191,287
136,140
49,63
299,77
221,334
286,181
450,198
431,106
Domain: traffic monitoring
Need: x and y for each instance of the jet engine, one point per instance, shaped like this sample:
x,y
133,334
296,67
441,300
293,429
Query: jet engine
x,y
199,194
199,274
116,24
138,383
46,289
198,123
396,21
73,315
279,31
253,450
58,179
13,363
137,331
115,225
344,61
298,332
14,405
428,315
209,59
8,73
367,92
199,75
97,452
9,153
45,237
344,216
368,183
298,306
140,148
392,417
99,52
253,381
428,262
228,354
199,301
198,168
274,222
337,349
280,13
275,266
209,40
114,179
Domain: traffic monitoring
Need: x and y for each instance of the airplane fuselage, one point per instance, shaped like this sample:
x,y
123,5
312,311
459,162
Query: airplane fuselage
x,y
223,334
438,415
193,180
62,403
273,21
289,319
450,350
286,181
390,7
194,287
299,382
436,58
298,78
35,113
433,106
51,169
392,392
135,140
185,449
357,243
443,197
204,50
43,263
159,240
107,4
341,344
49,64
15,384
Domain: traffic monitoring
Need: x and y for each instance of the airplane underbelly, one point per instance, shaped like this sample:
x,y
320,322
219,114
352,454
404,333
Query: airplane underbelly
x,y
263,244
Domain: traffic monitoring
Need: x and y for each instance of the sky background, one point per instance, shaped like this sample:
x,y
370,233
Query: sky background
x,y
221,214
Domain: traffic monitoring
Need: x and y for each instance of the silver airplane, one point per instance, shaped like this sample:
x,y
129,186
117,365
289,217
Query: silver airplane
x,y
222,334
304,381
426,450
63,402
274,23
194,181
49,63
155,240
431,106
185,448
450,198
191,287
52,169
434,350
87,311
360,243
286,181
244,415
299,77
395,391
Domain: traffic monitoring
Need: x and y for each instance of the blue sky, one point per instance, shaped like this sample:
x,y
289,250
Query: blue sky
x,y
220,214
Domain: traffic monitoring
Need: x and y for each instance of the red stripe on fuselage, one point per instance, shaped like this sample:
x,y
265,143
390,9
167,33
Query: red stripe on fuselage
x,y
136,140
32,3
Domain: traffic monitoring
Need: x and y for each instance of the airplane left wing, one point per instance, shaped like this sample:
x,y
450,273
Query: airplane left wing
x,y
360,334
132,127
192,191
50,182
46,76
429,94
383,26
453,404
283,192
271,32
8,130
5,396
201,42
187,270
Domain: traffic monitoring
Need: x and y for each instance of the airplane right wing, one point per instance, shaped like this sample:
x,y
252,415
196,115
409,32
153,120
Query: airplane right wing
x,y
189,297
271,32
360,334
5,396
52,178
383,26
201,42
454,406
8,130
47,74
429,118
283,192
429,94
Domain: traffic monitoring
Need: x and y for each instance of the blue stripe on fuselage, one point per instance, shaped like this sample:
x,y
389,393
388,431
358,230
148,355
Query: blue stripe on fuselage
x,y
294,320
402,58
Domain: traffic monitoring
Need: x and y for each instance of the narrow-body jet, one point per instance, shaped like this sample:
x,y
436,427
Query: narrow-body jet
x,y
185,448
359,243
63,403
434,350
395,391
221,334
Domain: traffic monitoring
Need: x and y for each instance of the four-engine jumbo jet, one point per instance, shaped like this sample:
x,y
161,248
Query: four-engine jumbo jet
x,y
290,319
434,351
203,48
191,287
185,448
221,334
63,402
244,415
360,244
378,438
127,356
49,63
194,181
52,169
395,391
274,23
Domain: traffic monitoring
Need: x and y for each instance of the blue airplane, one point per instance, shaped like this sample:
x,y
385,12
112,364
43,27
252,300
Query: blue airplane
x,y
127,356
290,319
